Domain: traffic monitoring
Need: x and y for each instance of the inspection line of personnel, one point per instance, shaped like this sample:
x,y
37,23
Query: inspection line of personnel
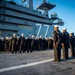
x,y
65,41
60,40
21,44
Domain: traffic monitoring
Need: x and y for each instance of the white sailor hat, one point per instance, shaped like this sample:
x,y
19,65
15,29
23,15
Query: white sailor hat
x,y
40,36
64,28
50,37
56,26
22,34
14,34
32,35
7,38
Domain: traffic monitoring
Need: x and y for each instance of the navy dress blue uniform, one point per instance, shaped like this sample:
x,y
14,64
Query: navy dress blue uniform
x,y
57,37
67,43
72,41
22,44
29,45
41,43
14,42
2,42
65,46
0,45
32,44
50,44
37,44
45,44
6,46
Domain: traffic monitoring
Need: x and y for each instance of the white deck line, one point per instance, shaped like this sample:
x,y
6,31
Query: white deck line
x,y
23,66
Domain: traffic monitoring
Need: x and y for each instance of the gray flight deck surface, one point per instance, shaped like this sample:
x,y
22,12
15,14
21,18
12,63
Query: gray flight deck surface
x,y
35,63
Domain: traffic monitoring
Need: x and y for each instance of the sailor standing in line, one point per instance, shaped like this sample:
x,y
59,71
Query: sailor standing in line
x,y
32,43
13,42
72,42
22,43
57,37
40,43
65,43
29,44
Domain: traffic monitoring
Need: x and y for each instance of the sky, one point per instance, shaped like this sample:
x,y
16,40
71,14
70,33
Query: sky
x,y
65,10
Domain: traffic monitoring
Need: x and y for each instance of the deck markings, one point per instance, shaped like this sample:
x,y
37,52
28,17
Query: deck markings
x,y
24,65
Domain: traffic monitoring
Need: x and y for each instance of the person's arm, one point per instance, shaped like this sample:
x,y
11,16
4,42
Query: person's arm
x,y
54,38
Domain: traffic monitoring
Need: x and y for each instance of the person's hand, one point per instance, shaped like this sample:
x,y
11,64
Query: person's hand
x,y
62,44
54,44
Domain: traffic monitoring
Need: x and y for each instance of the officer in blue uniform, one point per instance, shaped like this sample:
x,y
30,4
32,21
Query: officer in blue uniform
x,y
29,44
65,43
72,42
57,38
13,42
22,43
32,43
0,44
41,43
